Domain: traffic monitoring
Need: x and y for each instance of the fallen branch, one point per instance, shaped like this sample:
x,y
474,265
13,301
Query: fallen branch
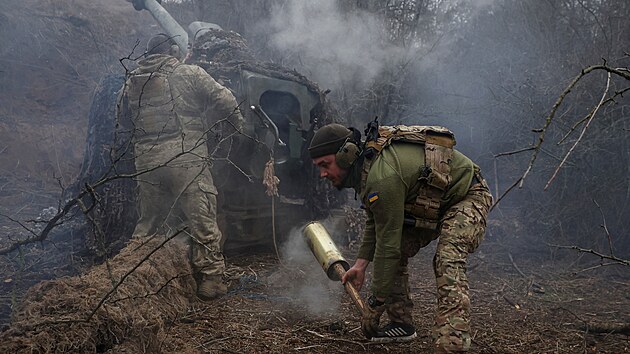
x,y
615,259
601,327
336,339
610,246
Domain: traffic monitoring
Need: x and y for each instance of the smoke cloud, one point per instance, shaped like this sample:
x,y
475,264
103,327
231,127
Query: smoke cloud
x,y
307,285
335,47
339,48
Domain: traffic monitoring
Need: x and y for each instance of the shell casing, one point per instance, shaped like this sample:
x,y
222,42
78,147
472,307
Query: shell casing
x,y
324,249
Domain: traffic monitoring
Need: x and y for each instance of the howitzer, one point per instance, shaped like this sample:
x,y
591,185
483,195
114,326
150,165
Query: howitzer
x,y
331,260
288,107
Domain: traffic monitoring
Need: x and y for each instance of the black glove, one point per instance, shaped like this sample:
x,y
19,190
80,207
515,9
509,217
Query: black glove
x,y
372,317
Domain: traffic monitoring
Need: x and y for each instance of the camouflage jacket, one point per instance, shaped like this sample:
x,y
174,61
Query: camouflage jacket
x,y
174,105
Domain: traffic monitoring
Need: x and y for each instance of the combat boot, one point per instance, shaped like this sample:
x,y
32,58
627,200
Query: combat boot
x,y
211,287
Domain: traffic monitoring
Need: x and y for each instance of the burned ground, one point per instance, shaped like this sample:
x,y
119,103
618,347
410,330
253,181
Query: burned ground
x,y
54,55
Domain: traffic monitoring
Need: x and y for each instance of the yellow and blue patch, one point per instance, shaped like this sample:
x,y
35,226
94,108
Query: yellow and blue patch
x,y
372,197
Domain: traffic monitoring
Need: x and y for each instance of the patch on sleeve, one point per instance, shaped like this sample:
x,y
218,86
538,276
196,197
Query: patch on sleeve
x,y
372,197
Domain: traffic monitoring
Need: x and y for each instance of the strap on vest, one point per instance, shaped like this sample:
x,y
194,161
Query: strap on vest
x,y
435,176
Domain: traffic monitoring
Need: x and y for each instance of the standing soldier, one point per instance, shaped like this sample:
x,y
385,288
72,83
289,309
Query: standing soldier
x,y
176,111
415,188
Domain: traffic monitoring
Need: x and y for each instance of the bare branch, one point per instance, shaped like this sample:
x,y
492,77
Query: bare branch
x,y
610,246
618,260
592,116
514,152
122,279
537,148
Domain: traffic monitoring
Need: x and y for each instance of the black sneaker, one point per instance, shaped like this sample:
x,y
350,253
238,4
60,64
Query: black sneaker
x,y
395,332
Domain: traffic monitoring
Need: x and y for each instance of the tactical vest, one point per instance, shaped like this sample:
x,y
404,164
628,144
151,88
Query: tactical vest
x,y
435,175
152,105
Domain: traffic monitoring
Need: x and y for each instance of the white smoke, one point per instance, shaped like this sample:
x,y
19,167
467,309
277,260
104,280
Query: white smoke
x,y
334,47
310,289
347,49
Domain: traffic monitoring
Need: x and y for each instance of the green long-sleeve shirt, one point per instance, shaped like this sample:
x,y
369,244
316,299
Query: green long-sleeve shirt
x,y
392,181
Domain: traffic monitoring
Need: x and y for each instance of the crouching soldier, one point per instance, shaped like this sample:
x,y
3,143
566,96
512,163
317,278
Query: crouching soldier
x,y
415,188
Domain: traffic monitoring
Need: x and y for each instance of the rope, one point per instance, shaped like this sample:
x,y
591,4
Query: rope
x,y
271,181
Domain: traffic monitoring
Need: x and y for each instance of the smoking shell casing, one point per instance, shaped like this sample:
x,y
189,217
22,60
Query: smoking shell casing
x,y
324,249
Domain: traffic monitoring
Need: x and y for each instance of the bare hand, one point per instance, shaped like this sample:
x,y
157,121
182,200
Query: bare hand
x,y
356,274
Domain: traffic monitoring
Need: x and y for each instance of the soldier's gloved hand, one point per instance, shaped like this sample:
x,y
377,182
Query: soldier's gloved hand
x,y
372,316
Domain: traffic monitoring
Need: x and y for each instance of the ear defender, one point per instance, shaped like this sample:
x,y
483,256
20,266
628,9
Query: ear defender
x,y
347,154
174,51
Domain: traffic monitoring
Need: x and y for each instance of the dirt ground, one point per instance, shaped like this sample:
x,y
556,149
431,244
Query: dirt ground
x,y
544,312
286,307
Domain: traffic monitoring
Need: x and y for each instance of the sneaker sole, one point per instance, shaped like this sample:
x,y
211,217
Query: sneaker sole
x,y
394,339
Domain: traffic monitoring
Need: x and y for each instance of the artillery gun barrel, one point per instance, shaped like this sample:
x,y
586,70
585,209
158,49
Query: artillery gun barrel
x,y
168,24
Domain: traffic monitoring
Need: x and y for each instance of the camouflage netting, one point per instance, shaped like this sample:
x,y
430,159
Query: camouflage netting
x,y
107,154
53,314
224,54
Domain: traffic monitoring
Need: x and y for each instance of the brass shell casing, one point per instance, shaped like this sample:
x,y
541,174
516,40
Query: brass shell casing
x,y
324,249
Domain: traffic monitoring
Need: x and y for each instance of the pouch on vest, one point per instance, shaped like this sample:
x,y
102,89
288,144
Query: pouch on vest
x,y
435,174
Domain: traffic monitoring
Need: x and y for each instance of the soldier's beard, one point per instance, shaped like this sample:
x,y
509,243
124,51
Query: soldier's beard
x,y
339,181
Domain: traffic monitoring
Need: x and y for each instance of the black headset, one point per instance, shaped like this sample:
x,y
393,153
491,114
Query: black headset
x,y
349,151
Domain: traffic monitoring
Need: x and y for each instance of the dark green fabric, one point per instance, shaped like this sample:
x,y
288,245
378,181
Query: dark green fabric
x,y
393,178
328,140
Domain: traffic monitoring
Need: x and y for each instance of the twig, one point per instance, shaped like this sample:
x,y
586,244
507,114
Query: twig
x,y
179,276
336,339
601,255
308,347
215,340
515,151
496,178
515,266
588,123
610,246
514,185
512,303
596,266
531,284
122,279
541,137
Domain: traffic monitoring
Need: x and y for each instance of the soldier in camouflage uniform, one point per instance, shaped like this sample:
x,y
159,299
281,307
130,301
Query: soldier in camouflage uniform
x,y
178,111
388,183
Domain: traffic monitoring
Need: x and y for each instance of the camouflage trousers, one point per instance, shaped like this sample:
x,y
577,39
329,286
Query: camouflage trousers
x,y
462,229
173,197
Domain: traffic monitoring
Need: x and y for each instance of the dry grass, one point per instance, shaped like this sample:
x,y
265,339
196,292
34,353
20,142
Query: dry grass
x,y
83,314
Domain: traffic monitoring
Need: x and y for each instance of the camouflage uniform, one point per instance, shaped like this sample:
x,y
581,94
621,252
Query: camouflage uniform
x,y
175,109
391,182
